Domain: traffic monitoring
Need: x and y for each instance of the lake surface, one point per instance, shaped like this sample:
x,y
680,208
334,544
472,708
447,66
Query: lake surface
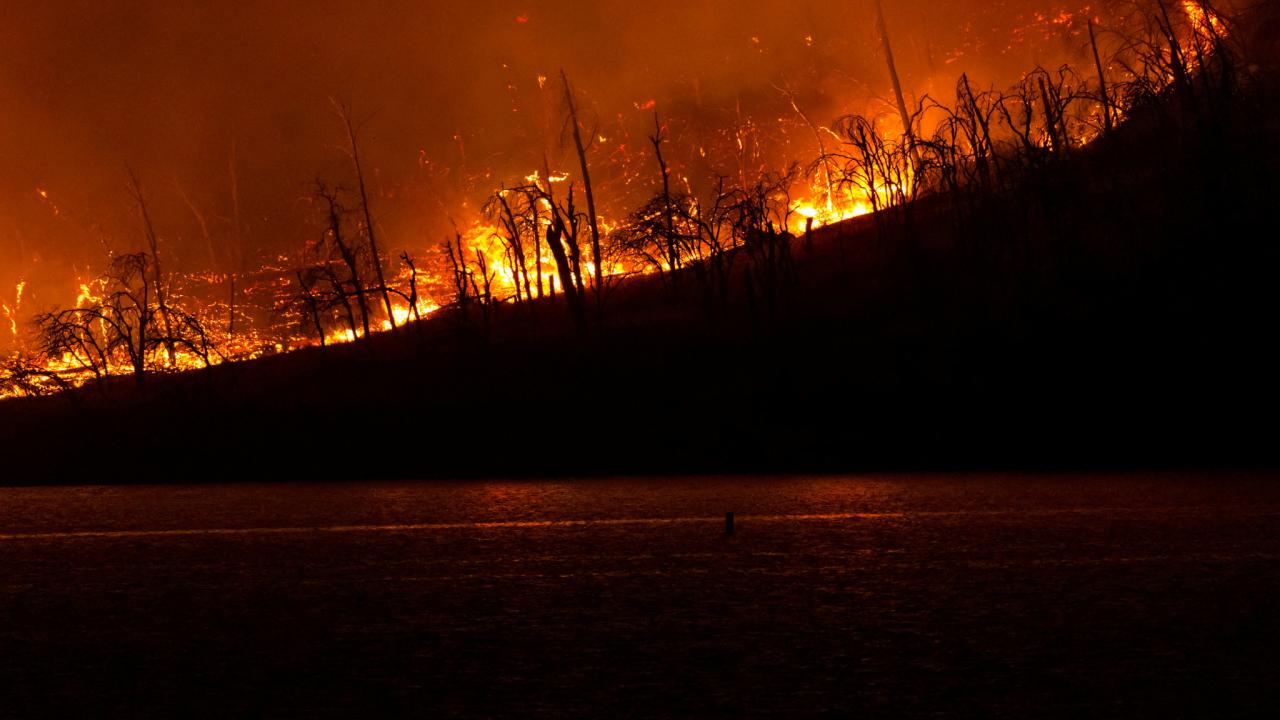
x,y
1004,596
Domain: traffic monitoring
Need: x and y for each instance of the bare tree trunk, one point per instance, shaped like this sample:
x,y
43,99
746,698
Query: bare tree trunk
x,y
822,152
236,241
519,266
139,356
368,216
537,242
313,306
908,132
554,235
562,239
231,306
1102,80
575,258
154,243
570,228
573,294
586,182
487,305
413,285
1056,139
348,255
457,262
510,258
673,257
1177,59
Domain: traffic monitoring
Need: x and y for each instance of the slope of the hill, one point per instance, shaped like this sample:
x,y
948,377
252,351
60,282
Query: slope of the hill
x,y
1115,307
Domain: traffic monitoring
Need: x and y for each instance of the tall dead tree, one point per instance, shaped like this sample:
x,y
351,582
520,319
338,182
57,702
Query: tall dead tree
x,y
309,302
354,150
556,235
1102,80
153,243
563,229
673,254
569,221
407,259
333,215
488,304
592,221
534,201
462,280
236,241
572,227
883,28
824,159
499,208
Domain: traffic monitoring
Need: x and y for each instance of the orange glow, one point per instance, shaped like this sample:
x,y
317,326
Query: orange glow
x,y
707,138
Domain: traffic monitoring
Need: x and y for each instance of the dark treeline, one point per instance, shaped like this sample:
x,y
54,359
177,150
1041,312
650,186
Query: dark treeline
x,y
1070,272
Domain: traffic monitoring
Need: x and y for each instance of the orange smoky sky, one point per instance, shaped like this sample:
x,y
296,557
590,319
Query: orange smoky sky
x,y
457,97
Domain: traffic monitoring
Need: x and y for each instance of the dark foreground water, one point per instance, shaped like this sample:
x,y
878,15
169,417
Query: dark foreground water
x,y
1004,596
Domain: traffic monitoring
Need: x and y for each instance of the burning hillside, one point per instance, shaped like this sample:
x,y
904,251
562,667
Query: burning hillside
x,y
698,154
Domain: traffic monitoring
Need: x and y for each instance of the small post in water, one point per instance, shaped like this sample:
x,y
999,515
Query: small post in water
x,y
728,523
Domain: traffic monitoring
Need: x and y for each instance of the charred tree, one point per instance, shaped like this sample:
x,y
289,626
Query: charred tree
x,y
883,28
153,244
348,253
375,255
499,207
123,329
1102,79
462,280
413,285
668,210
592,220
572,291
310,302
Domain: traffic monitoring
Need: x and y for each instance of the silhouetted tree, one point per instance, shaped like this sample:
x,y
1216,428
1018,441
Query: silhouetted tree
x,y
125,328
344,111
592,220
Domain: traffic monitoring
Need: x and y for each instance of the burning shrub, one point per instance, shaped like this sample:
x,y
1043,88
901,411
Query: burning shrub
x,y
131,328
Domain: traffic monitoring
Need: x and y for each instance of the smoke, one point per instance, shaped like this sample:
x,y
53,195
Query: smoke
x,y
455,98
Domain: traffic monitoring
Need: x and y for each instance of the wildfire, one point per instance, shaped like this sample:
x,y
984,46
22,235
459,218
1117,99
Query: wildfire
x,y
12,313
1207,23
812,216
847,181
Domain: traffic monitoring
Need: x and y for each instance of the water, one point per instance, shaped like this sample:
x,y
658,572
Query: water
x,y
1003,596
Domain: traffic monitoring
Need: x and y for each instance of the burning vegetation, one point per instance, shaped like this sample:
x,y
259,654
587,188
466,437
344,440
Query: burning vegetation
x,y
709,201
